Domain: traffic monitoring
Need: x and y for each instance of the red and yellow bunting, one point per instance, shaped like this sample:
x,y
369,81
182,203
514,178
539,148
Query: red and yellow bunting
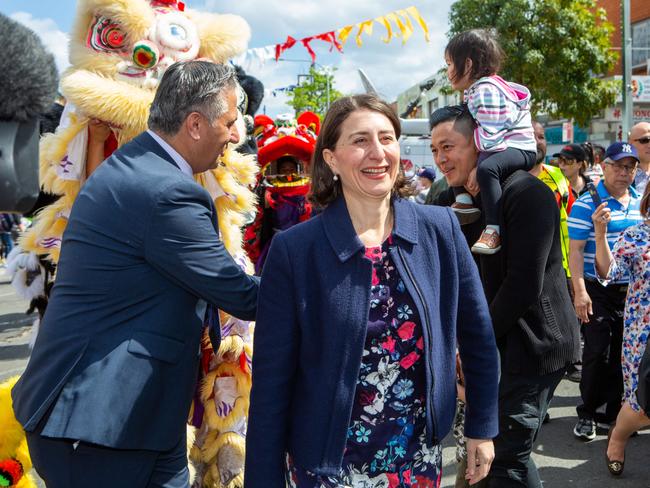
x,y
399,23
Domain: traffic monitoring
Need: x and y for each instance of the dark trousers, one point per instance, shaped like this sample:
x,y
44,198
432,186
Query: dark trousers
x,y
461,482
63,463
602,377
492,171
6,244
523,402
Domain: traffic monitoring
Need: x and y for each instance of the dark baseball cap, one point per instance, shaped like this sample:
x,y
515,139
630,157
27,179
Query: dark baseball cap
x,y
427,173
620,150
572,151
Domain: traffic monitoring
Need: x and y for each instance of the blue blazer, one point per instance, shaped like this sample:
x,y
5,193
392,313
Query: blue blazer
x,y
115,362
311,328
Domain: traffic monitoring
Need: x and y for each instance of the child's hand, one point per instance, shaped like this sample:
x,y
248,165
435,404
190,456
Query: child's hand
x,y
472,185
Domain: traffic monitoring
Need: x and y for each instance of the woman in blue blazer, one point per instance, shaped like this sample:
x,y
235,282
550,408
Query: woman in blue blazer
x,y
360,312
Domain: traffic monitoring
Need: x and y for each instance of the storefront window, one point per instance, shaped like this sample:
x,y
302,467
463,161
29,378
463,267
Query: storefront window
x,y
640,39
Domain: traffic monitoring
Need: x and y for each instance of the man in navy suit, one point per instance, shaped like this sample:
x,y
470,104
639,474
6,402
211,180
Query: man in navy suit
x,y
107,390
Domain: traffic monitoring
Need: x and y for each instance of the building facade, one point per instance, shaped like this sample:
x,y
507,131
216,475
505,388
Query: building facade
x,y
640,20
608,127
424,102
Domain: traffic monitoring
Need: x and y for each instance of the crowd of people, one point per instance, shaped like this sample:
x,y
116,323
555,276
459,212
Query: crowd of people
x,y
372,317
10,227
614,332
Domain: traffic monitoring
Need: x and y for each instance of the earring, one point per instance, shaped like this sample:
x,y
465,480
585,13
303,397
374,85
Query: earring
x,y
336,177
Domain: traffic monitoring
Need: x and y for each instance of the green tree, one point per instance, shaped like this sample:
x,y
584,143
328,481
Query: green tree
x,y
559,49
313,94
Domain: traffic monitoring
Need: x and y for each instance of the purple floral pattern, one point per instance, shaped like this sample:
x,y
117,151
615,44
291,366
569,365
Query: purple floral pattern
x,y
386,445
632,255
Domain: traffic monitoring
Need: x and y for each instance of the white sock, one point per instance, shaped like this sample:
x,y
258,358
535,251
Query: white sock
x,y
495,228
464,198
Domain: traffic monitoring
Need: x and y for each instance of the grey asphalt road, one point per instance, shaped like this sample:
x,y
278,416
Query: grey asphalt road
x,y
15,331
563,461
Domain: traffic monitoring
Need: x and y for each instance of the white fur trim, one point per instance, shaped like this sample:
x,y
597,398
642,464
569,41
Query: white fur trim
x,y
19,263
35,289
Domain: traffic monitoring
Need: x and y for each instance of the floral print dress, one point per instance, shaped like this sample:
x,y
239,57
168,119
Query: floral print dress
x,y
386,445
632,255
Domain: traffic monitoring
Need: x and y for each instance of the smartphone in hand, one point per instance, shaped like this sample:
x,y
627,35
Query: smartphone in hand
x,y
591,188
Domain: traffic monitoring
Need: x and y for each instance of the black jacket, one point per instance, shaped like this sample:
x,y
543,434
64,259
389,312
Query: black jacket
x,y
534,321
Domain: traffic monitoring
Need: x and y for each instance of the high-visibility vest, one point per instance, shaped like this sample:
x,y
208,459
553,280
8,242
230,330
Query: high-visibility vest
x,y
557,182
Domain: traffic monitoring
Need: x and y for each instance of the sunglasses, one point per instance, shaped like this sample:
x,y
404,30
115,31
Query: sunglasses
x,y
643,140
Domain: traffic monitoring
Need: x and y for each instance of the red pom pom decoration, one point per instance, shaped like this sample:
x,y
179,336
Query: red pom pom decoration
x,y
11,470
145,54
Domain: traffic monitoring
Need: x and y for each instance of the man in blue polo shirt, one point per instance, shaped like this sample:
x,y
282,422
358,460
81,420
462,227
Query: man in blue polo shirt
x,y
600,308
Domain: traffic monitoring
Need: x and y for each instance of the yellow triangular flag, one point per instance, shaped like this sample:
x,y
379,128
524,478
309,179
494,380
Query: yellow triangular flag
x,y
366,27
344,33
389,30
400,25
407,32
418,18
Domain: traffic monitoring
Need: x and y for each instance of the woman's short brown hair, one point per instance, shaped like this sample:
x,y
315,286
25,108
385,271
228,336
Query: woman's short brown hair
x,y
324,190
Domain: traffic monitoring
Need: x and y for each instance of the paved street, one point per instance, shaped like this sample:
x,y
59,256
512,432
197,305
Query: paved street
x,y
15,330
563,461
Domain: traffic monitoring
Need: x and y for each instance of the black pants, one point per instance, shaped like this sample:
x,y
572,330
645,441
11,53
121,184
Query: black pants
x,y
64,463
523,402
602,378
492,170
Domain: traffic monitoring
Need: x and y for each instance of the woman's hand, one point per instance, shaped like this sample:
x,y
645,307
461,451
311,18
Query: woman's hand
x,y
480,454
601,217
582,304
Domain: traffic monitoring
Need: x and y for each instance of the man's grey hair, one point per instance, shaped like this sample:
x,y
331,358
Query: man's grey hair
x,y
191,86
458,114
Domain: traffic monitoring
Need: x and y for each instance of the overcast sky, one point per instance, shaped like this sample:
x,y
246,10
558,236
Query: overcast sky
x,y
392,67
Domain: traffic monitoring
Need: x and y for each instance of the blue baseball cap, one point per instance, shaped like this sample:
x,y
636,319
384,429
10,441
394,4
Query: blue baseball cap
x,y
427,173
620,150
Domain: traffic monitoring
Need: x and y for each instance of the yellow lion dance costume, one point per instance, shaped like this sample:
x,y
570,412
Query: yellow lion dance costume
x,y
14,456
119,50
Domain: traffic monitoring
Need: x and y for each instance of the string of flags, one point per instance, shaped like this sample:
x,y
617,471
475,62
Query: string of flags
x,y
277,91
399,23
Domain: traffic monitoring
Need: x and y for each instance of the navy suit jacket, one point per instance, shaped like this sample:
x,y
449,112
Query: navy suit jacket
x,y
310,337
116,359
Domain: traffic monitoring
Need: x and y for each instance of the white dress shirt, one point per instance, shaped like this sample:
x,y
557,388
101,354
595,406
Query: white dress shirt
x,y
178,159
